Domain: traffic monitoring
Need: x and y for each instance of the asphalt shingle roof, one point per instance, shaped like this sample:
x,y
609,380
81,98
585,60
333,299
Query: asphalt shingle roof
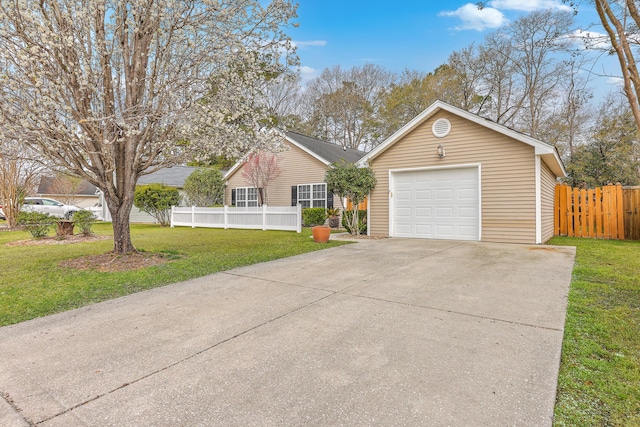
x,y
173,176
326,150
48,185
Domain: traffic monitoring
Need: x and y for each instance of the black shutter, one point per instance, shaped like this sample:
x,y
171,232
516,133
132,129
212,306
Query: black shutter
x,y
233,197
294,195
329,200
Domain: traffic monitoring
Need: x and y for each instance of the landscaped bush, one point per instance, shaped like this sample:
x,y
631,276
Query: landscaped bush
x,y
313,216
362,221
84,220
156,200
38,224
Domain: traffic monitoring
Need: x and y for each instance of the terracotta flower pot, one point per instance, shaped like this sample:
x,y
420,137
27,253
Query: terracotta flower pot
x,y
321,233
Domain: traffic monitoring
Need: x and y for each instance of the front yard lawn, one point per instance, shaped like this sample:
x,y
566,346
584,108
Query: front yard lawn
x,y
33,284
599,381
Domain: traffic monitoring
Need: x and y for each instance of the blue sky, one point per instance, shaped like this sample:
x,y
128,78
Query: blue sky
x,y
418,35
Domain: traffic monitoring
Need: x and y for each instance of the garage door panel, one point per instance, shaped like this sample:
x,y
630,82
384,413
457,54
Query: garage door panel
x,y
425,195
471,212
442,204
403,195
423,230
444,213
445,194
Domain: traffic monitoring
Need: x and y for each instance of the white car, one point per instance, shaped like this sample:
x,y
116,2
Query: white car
x,y
49,206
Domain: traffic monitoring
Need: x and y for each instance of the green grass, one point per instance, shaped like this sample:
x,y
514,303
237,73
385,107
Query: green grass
x,y
33,284
599,381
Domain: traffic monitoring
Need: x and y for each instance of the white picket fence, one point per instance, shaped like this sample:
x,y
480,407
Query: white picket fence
x,y
259,218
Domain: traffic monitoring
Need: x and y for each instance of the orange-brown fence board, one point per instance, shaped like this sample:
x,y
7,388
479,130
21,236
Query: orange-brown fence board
x,y
362,206
596,213
631,206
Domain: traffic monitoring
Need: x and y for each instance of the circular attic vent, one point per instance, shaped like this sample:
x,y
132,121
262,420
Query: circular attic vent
x,y
441,128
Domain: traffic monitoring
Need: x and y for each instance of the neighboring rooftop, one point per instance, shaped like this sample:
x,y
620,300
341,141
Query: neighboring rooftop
x,y
173,176
326,150
50,185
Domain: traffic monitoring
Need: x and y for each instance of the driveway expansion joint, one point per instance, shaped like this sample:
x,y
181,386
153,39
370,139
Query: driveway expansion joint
x,y
7,398
174,364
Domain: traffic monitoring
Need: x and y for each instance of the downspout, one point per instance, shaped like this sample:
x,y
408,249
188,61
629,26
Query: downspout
x,y
538,178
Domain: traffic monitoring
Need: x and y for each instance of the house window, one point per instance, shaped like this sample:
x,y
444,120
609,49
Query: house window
x,y
312,195
246,197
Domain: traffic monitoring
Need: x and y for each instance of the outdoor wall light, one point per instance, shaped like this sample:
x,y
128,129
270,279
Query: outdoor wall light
x,y
441,151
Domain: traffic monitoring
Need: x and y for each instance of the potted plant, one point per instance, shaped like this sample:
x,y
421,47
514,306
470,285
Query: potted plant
x,y
315,218
333,214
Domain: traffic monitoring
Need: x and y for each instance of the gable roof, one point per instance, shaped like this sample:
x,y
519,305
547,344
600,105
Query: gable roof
x,y
324,151
48,185
173,176
547,151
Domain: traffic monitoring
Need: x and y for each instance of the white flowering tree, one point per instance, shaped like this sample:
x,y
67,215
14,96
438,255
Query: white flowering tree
x,y
110,90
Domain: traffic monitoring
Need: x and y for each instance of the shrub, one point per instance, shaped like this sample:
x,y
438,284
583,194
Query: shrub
x,y
156,200
38,224
84,220
362,221
313,216
204,187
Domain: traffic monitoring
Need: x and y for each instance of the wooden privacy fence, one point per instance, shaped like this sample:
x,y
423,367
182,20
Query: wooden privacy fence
x,y
631,205
609,212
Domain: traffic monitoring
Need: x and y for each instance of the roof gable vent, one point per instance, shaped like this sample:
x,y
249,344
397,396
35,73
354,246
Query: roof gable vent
x,y
441,128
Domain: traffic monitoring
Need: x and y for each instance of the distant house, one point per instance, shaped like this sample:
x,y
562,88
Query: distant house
x,y
79,193
86,195
303,165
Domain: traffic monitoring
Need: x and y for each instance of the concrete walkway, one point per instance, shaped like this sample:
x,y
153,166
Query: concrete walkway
x,y
382,332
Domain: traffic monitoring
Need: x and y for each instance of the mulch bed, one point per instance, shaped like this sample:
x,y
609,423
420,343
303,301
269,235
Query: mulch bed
x,y
108,262
112,263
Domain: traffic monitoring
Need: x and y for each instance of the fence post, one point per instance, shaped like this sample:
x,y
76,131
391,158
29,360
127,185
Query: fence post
x,y
226,220
171,222
193,217
264,217
591,212
599,224
620,211
299,217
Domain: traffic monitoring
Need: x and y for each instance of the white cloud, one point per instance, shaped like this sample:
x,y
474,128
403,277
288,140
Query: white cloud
x,y
591,40
307,73
615,81
528,5
477,19
306,43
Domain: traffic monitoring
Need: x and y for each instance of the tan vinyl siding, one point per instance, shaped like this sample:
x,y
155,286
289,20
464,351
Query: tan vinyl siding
x,y
297,167
547,193
507,175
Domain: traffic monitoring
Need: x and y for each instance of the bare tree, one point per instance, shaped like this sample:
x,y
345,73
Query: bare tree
x,y
260,169
342,105
110,90
621,21
283,100
18,177
65,187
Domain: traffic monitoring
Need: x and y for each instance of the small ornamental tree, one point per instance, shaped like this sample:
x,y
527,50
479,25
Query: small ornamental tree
x,y
260,169
352,182
204,187
156,200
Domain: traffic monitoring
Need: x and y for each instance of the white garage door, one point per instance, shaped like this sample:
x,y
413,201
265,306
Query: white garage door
x,y
436,204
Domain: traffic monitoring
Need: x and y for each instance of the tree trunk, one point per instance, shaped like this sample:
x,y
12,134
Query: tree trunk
x,y
121,229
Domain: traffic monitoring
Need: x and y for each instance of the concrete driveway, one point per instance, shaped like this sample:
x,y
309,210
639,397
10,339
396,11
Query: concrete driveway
x,y
382,332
